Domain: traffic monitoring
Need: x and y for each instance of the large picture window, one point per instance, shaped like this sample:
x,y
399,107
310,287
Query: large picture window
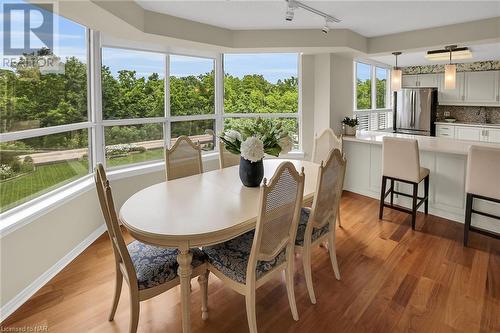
x,y
372,98
44,121
262,85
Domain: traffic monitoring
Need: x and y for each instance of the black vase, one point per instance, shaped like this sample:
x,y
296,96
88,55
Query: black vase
x,y
251,173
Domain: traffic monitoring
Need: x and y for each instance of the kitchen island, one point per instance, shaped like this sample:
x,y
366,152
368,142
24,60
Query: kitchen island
x,y
447,161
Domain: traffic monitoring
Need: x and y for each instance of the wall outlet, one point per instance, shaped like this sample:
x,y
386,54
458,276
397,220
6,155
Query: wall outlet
x,y
447,113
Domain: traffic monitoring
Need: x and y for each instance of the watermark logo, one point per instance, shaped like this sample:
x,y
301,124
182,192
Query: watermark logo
x,y
34,21
29,37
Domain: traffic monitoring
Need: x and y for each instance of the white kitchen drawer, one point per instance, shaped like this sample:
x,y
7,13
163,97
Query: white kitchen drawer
x,y
445,131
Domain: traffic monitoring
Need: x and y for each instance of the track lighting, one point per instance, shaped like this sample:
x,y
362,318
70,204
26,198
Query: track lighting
x,y
293,4
326,28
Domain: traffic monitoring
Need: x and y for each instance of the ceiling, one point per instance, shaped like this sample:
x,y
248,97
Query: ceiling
x,y
368,18
479,53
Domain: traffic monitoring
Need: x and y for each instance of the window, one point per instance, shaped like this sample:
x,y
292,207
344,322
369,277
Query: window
x,y
192,86
132,84
261,85
192,95
39,91
372,98
133,144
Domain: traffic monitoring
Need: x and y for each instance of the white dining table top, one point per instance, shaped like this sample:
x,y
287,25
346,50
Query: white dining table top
x,y
202,209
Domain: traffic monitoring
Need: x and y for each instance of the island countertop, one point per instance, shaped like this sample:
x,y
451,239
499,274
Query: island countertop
x,y
425,143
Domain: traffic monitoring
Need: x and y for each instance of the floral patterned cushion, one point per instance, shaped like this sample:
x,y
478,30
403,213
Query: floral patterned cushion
x,y
156,265
317,232
231,258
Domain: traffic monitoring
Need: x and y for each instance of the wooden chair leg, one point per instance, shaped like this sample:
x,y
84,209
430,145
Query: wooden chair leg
x,y
338,216
134,310
468,217
426,194
306,263
333,254
382,197
203,281
118,291
250,305
290,290
392,192
414,206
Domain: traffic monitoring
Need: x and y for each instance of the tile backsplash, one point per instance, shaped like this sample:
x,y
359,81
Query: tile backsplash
x,y
470,114
491,65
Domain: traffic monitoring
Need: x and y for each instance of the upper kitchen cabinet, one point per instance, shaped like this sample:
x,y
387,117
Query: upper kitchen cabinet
x,y
428,80
420,80
409,81
452,96
482,87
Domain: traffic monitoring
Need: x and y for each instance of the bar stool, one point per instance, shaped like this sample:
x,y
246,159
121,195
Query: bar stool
x,y
482,182
401,162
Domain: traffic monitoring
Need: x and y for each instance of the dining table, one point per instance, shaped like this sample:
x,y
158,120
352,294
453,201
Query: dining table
x,y
200,210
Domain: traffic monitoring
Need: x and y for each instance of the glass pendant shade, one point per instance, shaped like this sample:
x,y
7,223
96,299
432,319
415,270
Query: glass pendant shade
x,y
396,75
450,76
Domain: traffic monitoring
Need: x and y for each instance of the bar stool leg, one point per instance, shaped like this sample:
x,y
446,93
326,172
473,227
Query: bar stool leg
x,y
468,217
382,197
414,206
392,192
426,194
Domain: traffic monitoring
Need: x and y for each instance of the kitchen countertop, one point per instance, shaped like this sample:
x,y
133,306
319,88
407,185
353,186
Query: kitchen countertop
x,y
468,124
425,143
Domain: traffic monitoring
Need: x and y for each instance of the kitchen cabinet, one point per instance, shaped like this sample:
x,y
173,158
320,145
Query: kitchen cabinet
x,y
490,135
420,80
482,87
468,133
409,81
471,88
428,80
452,96
445,131
472,133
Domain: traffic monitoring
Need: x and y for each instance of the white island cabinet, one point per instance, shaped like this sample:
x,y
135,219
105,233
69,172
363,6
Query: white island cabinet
x,y
447,161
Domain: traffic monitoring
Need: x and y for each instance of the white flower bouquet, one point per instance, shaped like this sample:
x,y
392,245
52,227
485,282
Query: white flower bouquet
x,y
256,138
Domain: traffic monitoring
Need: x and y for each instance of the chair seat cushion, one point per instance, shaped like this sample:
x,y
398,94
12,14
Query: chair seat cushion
x,y
317,232
156,265
231,258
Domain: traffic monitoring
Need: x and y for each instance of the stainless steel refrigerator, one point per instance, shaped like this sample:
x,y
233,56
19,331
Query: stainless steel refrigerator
x,y
415,111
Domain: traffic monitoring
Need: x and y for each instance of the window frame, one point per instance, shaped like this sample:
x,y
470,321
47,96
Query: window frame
x,y
95,124
281,115
369,113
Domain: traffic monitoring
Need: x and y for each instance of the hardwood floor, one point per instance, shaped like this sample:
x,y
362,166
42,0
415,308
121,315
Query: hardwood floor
x,y
393,280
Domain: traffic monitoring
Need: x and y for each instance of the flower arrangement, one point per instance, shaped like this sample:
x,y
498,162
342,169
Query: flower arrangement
x,y
256,138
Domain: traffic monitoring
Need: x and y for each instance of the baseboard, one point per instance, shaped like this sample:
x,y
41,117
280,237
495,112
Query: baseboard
x,y
43,279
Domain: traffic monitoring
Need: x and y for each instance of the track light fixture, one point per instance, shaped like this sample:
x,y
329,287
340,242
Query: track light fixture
x,y
326,28
293,4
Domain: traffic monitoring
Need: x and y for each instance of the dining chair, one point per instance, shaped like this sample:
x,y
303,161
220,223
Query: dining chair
x,y
226,158
317,223
323,144
183,159
248,261
148,270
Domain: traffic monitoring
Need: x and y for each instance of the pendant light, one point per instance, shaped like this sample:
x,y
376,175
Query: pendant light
x,y
450,71
396,74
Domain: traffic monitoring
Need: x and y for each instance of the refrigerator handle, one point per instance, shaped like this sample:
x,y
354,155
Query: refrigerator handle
x,y
412,110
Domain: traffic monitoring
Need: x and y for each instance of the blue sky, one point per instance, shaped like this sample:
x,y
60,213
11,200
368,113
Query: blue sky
x,y
70,41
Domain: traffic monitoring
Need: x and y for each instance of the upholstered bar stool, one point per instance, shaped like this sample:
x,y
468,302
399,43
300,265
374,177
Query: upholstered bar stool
x,y
482,182
401,162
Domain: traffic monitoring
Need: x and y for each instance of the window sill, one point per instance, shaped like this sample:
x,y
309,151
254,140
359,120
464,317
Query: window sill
x,y
24,214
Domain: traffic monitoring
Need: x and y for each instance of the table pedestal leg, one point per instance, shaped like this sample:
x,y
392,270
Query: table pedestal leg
x,y
185,270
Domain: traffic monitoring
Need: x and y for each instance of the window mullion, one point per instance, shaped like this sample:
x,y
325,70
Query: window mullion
x,y
219,96
96,98
167,128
